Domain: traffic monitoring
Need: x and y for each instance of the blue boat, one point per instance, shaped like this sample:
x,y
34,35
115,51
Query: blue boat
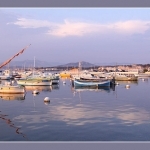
x,y
98,83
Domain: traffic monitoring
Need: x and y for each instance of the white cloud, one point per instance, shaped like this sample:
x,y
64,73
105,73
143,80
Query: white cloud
x,y
71,28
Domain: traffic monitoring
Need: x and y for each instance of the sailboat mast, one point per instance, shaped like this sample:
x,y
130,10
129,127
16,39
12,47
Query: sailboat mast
x,y
34,66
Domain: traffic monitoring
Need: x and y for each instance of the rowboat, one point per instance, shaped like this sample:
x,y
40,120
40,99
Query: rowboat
x,y
98,83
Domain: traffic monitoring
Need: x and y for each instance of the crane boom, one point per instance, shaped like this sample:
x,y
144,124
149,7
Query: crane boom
x,y
9,60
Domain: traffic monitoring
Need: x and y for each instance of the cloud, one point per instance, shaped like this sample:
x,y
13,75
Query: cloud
x,y
76,28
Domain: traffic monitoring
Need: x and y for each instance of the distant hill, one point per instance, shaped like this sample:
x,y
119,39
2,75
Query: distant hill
x,y
30,63
76,64
39,63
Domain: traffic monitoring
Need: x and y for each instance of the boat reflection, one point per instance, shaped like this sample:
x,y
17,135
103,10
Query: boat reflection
x,y
38,88
12,125
55,87
127,82
46,103
93,88
7,96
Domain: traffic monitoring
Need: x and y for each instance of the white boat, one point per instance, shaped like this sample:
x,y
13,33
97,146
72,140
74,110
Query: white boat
x,y
35,82
84,75
24,74
12,89
6,75
143,75
123,77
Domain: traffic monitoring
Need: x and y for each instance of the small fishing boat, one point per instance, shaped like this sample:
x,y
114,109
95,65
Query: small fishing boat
x,y
123,77
143,75
5,75
14,89
65,74
43,76
98,83
35,82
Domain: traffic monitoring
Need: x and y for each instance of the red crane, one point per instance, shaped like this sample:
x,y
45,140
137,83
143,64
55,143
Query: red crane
x,y
9,60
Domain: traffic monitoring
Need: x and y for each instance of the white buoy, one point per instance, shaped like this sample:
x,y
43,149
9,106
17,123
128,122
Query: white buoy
x,y
35,92
127,86
46,99
64,82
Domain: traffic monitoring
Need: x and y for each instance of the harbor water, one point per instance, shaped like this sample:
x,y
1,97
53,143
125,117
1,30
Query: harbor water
x,y
118,113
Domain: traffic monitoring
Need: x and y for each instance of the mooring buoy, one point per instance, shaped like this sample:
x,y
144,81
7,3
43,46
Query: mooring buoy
x,y
46,99
35,92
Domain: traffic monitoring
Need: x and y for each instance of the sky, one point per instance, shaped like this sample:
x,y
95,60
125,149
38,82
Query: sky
x,y
64,35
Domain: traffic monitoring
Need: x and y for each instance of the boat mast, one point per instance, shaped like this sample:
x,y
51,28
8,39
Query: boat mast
x,y
34,66
79,68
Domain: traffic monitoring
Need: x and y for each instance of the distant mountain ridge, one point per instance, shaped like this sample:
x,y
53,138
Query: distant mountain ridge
x,y
30,63
76,64
39,63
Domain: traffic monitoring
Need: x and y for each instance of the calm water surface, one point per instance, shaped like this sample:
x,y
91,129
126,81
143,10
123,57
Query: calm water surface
x,y
115,114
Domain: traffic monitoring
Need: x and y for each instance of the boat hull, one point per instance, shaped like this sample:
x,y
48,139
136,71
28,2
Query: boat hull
x,y
12,89
5,78
35,82
64,75
126,78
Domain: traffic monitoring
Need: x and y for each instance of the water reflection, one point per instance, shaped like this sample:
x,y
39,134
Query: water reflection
x,y
38,88
47,103
93,88
12,125
6,96
128,82
82,115
55,87
98,111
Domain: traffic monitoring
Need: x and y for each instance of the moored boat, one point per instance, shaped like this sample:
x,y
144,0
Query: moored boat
x,y
12,89
65,74
123,77
6,75
35,82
